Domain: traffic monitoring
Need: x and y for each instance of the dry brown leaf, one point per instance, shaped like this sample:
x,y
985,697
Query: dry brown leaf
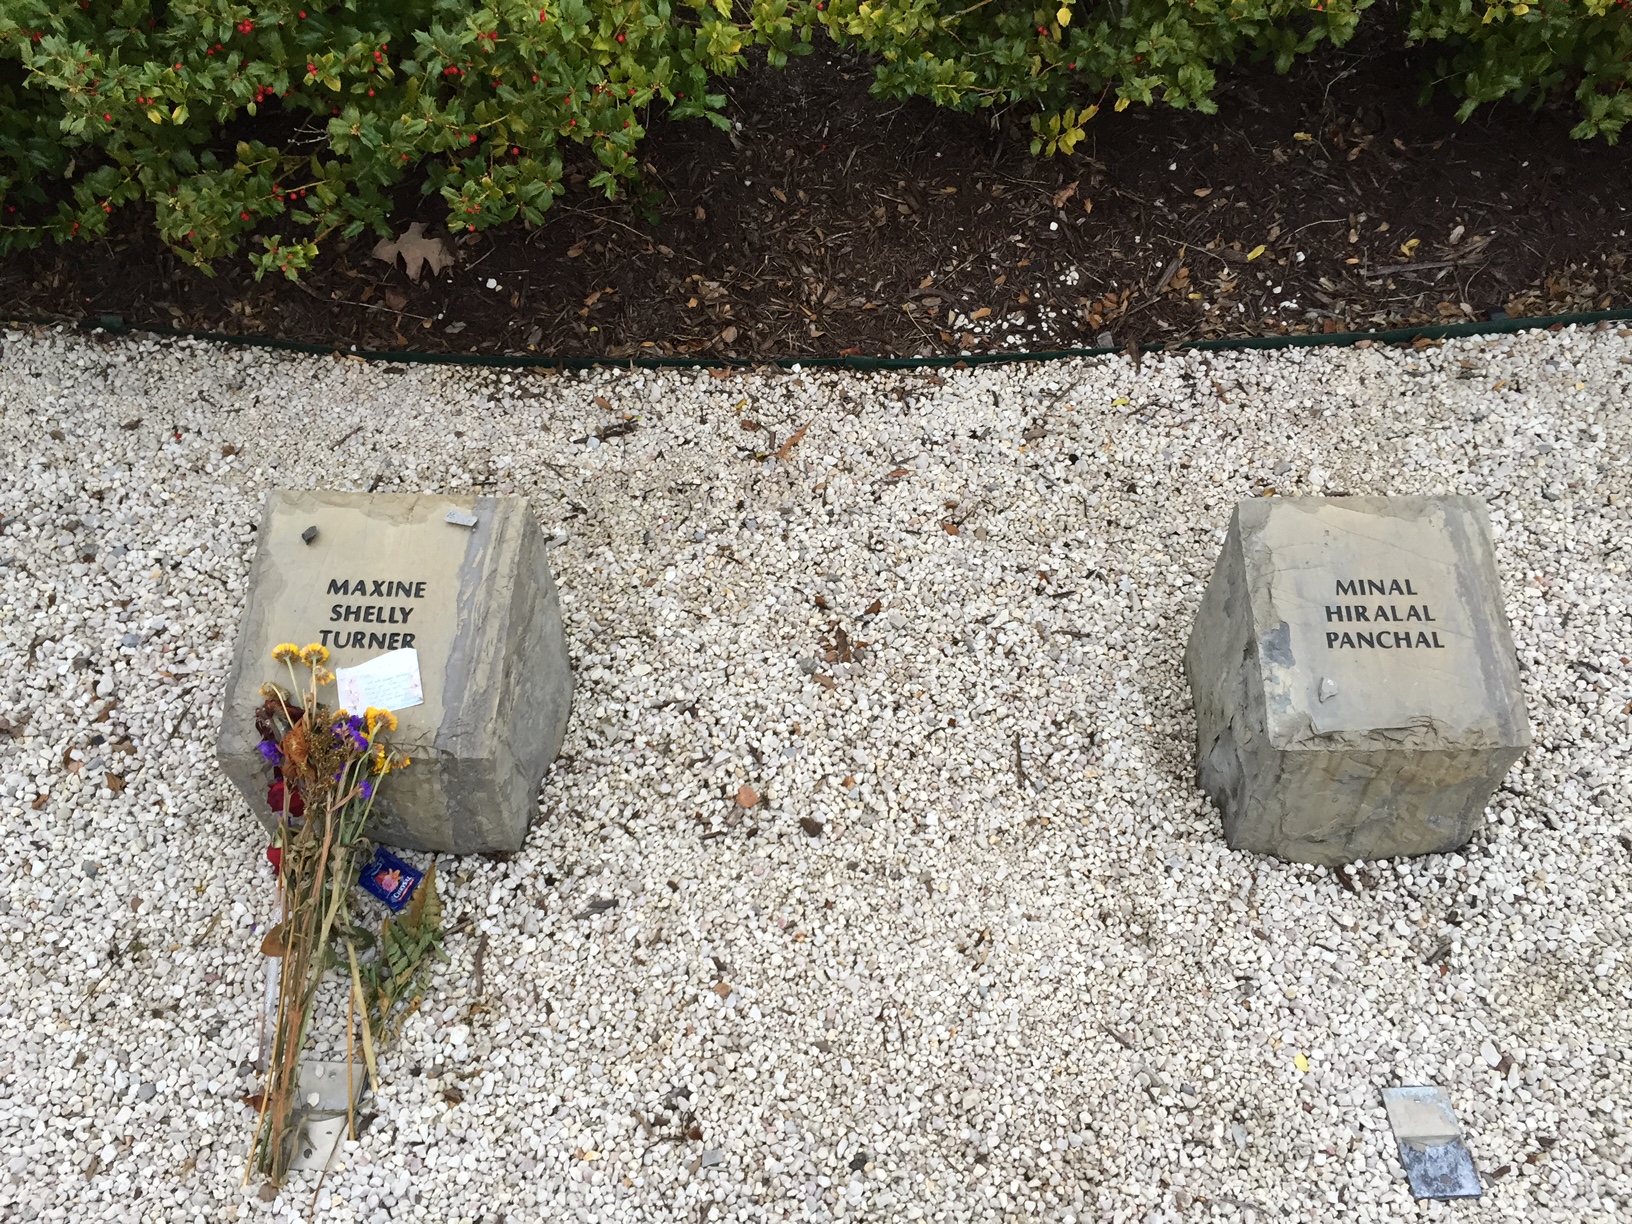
x,y
416,252
1065,193
874,608
722,989
747,797
786,449
811,826
825,680
1087,205
115,782
39,800
981,313
1201,193
273,943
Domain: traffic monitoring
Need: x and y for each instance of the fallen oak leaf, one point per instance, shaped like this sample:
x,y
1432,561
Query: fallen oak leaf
x,y
1065,193
416,251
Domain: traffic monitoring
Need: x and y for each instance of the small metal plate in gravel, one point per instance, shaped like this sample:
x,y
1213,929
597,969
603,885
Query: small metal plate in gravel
x,y
1437,1162
327,1082
460,518
317,1143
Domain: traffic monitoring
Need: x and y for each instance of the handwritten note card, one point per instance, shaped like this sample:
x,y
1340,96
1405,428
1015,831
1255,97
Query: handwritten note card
x,y
389,681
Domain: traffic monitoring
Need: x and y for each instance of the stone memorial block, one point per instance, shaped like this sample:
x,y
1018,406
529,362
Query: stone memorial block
x,y
464,583
1355,685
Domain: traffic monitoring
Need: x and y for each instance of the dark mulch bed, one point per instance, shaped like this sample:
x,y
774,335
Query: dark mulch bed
x,y
833,223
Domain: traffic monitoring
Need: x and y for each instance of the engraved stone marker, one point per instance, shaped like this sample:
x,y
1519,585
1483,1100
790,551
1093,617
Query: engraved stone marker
x,y
1354,679
461,582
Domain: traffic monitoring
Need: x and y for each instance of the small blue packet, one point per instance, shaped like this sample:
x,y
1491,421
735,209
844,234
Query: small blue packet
x,y
390,880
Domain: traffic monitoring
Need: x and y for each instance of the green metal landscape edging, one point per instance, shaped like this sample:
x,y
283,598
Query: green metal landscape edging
x,y
115,324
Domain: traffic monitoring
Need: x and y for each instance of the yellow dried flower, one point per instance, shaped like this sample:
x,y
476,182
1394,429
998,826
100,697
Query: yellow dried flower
x,y
315,655
378,718
273,692
285,652
322,675
401,761
381,761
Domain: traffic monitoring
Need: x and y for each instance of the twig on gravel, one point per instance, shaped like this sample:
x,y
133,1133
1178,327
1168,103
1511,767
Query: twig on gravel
x,y
1020,779
1244,1204
1121,1039
478,963
1441,949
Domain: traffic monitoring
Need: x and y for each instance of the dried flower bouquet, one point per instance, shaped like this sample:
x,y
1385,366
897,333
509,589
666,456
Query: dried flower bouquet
x,y
327,768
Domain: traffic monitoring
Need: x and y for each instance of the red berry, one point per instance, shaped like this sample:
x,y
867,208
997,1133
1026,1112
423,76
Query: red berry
x,y
107,118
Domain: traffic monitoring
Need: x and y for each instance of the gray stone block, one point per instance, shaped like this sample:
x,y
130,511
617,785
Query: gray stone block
x,y
1355,685
388,571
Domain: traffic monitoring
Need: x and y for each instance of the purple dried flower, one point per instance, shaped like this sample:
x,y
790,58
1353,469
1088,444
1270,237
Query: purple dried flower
x,y
367,789
270,753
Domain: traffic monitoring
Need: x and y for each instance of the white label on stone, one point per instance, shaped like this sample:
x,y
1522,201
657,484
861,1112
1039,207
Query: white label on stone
x,y
389,682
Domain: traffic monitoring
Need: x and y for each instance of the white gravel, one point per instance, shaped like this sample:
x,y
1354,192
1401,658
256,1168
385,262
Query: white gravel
x,y
967,998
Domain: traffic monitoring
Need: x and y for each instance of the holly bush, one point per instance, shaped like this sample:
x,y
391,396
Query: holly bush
x,y
230,119
1495,49
285,124
1064,59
